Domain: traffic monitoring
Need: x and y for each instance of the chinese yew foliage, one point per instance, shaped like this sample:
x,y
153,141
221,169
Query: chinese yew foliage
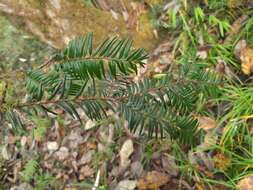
x,y
101,79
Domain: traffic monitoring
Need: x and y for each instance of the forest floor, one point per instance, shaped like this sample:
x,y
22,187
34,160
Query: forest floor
x,y
216,35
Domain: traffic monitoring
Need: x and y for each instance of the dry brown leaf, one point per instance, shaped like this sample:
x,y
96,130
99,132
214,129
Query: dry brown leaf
x,y
75,138
246,183
126,150
169,164
136,169
200,186
5,153
52,145
202,52
22,186
86,158
85,171
126,185
240,46
62,153
153,180
90,124
201,160
245,54
91,145
236,26
206,123
209,140
246,58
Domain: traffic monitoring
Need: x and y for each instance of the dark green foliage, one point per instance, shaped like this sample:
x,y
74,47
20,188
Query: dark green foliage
x,y
97,80
16,123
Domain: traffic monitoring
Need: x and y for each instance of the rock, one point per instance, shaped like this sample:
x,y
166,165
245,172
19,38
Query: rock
x,y
126,185
55,22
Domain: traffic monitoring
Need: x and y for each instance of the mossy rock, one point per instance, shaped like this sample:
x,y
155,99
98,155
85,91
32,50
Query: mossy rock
x,y
57,21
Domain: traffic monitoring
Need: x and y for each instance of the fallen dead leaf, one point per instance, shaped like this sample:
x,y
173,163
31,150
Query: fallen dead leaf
x,y
202,53
169,164
126,150
86,158
199,186
242,44
89,124
6,155
23,141
209,140
245,54
206,123
136,169
75,138
201,160
22,186
153,180
126,185
246,183
246,58
52,145
85,171
63,153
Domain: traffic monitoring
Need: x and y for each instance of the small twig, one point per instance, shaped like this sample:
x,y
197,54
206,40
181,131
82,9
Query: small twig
x,y
47,62
96,184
